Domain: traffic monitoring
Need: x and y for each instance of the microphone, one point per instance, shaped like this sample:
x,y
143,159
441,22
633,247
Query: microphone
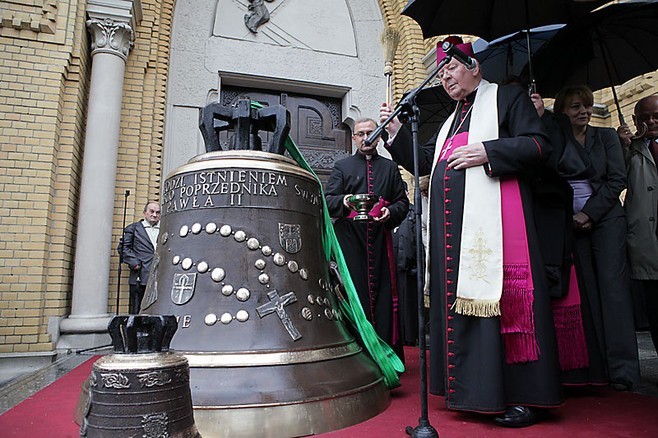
x,y
452,50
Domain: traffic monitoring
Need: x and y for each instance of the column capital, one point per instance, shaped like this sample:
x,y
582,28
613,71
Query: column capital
x,y
109,36
120,11
112,24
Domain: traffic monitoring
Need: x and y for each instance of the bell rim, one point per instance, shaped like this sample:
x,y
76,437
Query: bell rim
x,y
307,417
269,358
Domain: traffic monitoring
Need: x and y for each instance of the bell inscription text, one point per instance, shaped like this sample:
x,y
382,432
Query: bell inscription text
x,y
236,188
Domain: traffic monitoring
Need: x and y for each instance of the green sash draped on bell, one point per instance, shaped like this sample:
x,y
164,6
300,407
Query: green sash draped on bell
x,y
383,355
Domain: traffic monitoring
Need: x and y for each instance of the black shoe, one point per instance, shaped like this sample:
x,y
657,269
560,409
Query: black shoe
x,y
518,416
620,386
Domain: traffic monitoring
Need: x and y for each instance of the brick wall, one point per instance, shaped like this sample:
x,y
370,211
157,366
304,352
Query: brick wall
x,y
40,133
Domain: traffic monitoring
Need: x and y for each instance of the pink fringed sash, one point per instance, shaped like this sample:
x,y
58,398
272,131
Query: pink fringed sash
x,y
516,312
516,302
571,344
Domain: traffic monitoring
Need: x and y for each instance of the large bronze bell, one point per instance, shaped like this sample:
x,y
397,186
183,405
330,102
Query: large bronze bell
x,y
240,263
143,388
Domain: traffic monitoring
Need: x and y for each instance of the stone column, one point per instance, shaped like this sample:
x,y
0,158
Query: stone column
x,y
111,40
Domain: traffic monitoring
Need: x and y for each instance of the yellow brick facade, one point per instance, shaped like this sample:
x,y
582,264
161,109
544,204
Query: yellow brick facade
x,y
45,67
42,105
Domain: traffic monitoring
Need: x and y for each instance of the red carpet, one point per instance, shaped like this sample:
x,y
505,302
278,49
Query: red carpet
x,y
49,412
588,412
598,412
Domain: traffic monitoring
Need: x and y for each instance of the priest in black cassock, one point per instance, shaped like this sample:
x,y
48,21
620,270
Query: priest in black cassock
x,y
368,245
492,340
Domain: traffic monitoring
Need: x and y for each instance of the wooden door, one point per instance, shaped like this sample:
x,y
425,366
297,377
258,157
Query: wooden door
x,y
316,124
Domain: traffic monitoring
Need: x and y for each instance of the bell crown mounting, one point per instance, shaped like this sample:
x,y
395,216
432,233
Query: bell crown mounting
x,y
246,122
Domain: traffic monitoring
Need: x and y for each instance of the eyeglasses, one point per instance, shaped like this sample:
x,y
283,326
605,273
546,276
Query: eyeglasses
x,y
362,134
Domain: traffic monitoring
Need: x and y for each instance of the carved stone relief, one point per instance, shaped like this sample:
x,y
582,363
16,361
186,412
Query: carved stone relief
x,y
306,24
259,15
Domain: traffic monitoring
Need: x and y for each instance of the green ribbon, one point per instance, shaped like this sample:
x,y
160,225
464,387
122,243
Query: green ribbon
x,y
383,355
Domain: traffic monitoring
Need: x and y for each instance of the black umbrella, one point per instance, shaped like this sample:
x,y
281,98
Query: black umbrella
x,y
604,49
491,19
508,55
435,106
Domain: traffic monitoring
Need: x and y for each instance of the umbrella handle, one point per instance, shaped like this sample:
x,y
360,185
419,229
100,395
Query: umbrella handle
x,y
641,133
532,87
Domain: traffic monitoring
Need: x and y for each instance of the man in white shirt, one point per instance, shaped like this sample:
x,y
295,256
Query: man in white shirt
x,y
140,241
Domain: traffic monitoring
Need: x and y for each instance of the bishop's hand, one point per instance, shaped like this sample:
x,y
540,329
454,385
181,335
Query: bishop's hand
x,y
470,155
394,125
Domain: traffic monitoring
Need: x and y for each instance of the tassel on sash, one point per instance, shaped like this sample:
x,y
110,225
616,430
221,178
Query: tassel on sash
x,y
517,318
481,308
571,343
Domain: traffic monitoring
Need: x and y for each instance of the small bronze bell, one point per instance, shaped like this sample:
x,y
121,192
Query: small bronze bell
x,y
142,390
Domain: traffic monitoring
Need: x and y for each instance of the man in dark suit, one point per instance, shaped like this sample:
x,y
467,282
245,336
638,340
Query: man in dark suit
x,y
139,243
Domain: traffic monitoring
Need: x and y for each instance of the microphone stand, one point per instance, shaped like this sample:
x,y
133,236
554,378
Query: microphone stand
x,y
123,227
408,109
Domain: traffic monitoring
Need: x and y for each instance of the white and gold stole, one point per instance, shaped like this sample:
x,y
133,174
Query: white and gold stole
x,y
480,281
